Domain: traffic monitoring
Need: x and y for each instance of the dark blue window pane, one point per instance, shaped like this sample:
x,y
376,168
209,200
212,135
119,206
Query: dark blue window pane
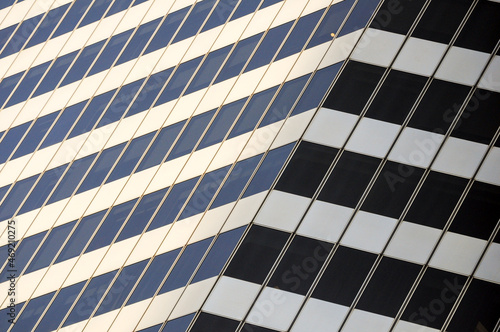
x,y
253,112
110,52
284,101
5,34
238,58
191,135
269,46
15,197
208,69
92,114
82,63
138,41
6,3
101,168
48,24
236,181
223,121
160,146
218,254
35,135
268,170
24,251
55,74
74,15
118,6
220,14
72,178
173,204
359,16
120,103
195,19
63,124
185,266
316,89
155,328
31,313
121,287
204,192
21,35
141,215
90,297
130,158
179,81
7,311
167,30
3,190
331,23
10,140
111,225
137,2
28,83
50,247
244,8
299,35
81,236
95,12
153,277
58,309
179,324
149,92
7,85
42,189
268,3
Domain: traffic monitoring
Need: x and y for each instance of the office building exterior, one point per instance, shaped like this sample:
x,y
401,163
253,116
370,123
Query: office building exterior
x,y
250,165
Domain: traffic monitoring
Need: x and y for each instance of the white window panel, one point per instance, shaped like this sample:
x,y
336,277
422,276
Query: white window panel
x,y
489,268
320,316
470,62
365,321
419,56
378,47
489,171
330,127
416,147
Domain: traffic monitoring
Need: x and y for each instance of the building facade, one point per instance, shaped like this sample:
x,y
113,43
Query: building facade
x,y
250,165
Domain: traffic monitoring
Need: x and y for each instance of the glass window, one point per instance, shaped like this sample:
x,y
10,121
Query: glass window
x,y
93,112
349,179
42,189
25,88
153,277
306,169
35,135
268,3
160,146
19,37
178,324
208,69
31,313
101,168
218,254
11,139
209,322
58,309
397,17
238,58
253,112
81,236
74,15
3,190
95,12
24,251
63,124
167,29
138,42
111,225
82,63
221,13
236,181
118,6
141,215
6,3
121,287
179,81
7,85
283,103
185,266
90,297
155,328
72,178
173,204
191,134
15,197
195,19
130,157
204,192
270,44
48,24
5,34
221,124
257,254
268,170
50,247
359,16
55,73
330,23
149,92
110,52
244,8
